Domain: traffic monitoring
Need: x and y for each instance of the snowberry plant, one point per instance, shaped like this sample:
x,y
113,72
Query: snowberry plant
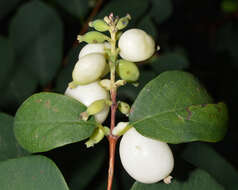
x,y
172,108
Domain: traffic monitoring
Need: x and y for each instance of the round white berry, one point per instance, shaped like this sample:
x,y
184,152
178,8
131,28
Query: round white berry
x,y
136,45
88,94
89,68
93,48
146,160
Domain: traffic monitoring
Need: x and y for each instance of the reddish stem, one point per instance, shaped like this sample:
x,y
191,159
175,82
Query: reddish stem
x,y
112,147
112,140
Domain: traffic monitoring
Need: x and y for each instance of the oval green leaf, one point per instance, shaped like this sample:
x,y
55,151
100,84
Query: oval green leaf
x,y
198,180
28,173
175,108
36,32
48,120
20,85
9,147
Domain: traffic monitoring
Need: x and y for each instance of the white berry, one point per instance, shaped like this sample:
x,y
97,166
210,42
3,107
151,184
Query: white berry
x,y
146,160
89,68
93,48
136,45
88,94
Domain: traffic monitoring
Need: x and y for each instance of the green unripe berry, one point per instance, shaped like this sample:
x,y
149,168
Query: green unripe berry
x,y
123,22
128,71
93,37
99,25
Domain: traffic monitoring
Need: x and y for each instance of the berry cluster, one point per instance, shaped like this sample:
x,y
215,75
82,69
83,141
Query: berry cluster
x,y
145,159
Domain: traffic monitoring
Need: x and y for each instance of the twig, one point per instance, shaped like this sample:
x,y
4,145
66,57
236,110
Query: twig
x,y
113,91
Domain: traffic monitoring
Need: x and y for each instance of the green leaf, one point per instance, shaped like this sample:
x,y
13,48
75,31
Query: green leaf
x,y
213,163
77,8
49,120
36,32
229,6
161,10
130,91
7,6
136,8
21,84
9,147
28,173
175,108
7,60
198,180
169,61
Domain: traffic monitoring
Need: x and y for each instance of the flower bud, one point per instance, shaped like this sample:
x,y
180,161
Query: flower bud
x,y
136,45
93,37
120,83
99,25
89,68
96,137
121,128
128,71
106,130
105,83
123,22
124,107
96,107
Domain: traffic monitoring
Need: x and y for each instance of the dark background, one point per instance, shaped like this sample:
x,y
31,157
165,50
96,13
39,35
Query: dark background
x,y
38,50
